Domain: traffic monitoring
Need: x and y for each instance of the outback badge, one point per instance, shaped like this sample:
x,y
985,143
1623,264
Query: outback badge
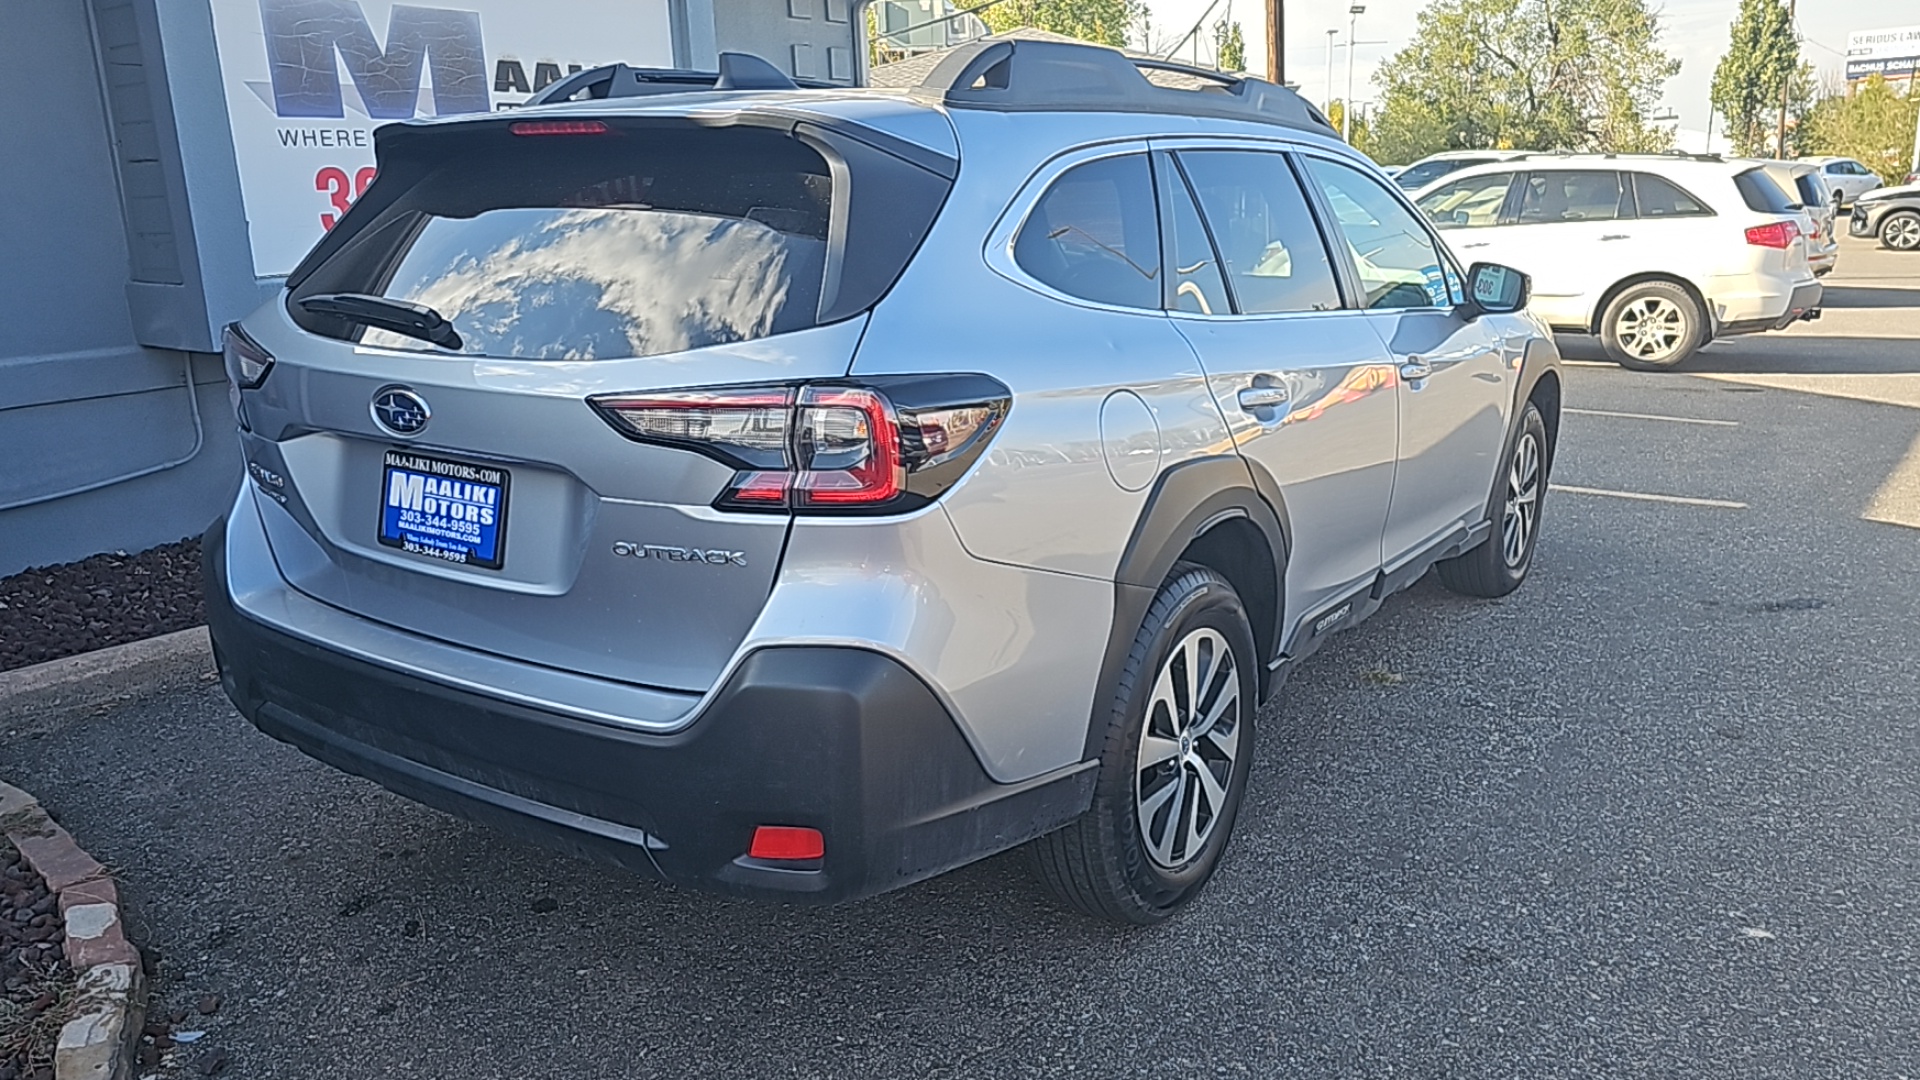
x,y
710,556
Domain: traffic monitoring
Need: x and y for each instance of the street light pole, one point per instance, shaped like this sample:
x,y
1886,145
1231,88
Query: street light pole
x,y
1346,106
1327,102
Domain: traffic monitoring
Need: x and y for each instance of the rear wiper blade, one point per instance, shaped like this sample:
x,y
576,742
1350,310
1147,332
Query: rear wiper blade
x,y
399,316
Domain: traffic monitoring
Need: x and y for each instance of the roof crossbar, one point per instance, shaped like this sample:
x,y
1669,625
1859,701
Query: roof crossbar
x,y
1051,76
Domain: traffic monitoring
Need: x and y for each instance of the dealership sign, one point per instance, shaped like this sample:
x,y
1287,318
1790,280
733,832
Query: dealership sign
x,y
1894,53
307,81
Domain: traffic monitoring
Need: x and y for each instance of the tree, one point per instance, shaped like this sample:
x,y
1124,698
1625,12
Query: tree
x,y
1105,22
1229,46
1360,135
1530,74
1872,125
1761,63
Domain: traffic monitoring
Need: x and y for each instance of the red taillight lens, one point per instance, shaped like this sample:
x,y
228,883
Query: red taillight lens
x,y
558,127
785,843
847,449
892,445
1777,234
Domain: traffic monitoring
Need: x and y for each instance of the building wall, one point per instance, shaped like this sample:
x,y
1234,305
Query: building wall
x,y
81,404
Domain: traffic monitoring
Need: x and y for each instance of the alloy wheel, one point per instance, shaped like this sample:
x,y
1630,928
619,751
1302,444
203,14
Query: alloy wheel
x,y
1523,500
1651,328
1189,744
1903,232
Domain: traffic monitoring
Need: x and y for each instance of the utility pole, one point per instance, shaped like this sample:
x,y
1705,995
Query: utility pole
x,y
1786,84
1276,43
1346,106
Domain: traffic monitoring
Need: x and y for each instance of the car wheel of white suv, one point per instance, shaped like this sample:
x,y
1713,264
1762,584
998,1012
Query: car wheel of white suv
x,y
1174,766
1652,326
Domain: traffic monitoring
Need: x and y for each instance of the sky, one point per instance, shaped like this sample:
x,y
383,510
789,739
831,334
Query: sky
x,y
1695,31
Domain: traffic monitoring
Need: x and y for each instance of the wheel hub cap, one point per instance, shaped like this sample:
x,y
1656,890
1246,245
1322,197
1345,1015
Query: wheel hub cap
x,y
1523,500
1651,328
1188,745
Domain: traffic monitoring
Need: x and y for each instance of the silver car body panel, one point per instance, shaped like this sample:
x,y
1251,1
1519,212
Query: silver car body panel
x,y
1001,596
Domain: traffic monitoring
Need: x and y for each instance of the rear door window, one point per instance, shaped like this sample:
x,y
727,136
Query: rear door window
x,y
1472,203
1659,198
1095,234
1269,245
1199,288
1574,195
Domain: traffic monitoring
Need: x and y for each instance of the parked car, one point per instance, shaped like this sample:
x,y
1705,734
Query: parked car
x,y
1890,215
1848,178
1434,166
1656,254
1808,186
733,485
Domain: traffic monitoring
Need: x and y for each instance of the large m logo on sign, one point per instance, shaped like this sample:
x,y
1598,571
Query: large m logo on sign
x,y
304,36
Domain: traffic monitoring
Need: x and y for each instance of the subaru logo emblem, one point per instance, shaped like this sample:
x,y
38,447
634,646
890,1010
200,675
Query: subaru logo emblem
x,y
400,411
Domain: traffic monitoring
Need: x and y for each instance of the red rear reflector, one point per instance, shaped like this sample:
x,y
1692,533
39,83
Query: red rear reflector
x,y
787,843
558,127
1779,234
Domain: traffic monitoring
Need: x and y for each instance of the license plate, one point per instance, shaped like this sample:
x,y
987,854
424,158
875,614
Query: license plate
x,y
453,511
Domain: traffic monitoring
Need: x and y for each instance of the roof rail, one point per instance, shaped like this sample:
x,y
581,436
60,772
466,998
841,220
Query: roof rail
x,y
738,71
1052,76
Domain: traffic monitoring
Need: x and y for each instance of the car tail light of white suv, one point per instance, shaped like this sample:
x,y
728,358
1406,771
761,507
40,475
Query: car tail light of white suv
x,y
1774,234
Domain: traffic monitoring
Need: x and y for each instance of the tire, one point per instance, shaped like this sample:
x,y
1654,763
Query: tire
x,y
1130,865
1498,565
1901,231
1652,326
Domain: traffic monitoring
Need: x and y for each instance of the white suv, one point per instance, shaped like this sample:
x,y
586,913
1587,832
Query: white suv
x,y
1656,254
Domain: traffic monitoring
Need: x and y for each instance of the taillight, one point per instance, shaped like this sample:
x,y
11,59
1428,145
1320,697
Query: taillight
x,y
883,445
247,362
1775,234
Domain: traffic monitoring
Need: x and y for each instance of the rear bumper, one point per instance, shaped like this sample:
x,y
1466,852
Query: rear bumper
x,y
1802,303
843,740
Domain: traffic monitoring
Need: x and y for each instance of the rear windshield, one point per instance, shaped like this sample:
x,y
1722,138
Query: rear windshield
x,y
583,247
1762,194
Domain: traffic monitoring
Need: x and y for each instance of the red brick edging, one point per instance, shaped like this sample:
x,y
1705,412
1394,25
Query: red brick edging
x,y
97,1044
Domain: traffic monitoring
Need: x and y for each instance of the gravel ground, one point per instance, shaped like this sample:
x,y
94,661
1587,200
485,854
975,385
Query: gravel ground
x,y
35,985
53,611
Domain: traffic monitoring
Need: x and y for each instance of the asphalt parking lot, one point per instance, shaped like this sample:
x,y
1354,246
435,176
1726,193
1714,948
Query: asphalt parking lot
x,y
1655,815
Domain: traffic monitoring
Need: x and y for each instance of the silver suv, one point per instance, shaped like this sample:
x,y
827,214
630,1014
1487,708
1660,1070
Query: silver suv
x,y
801,492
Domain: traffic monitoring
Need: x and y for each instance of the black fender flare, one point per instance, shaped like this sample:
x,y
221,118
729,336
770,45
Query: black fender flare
x,y
1187,501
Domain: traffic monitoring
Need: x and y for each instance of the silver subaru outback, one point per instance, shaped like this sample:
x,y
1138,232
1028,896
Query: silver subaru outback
x,y
799,492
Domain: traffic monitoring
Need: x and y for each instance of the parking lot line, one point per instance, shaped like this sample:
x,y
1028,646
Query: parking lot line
x,y
1647,496
1654,416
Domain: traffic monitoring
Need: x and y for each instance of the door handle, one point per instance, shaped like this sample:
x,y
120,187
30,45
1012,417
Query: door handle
x,y
1616,236
1482,243
1264,397
1413,369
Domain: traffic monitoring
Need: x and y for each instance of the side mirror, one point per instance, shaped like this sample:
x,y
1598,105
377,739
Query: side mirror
x,y
1461,217
1497,290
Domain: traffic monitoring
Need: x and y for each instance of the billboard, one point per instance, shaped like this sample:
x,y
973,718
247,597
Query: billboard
x,y
307,81
1894,53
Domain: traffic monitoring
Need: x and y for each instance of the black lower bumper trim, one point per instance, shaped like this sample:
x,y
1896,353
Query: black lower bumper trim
x,y
843,740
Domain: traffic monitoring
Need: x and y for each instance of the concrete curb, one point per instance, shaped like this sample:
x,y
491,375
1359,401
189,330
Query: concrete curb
x,y
97,677
99,1043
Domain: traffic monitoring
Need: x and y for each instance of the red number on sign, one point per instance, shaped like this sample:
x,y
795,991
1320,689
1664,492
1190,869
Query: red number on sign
x,y
333,182
340,191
